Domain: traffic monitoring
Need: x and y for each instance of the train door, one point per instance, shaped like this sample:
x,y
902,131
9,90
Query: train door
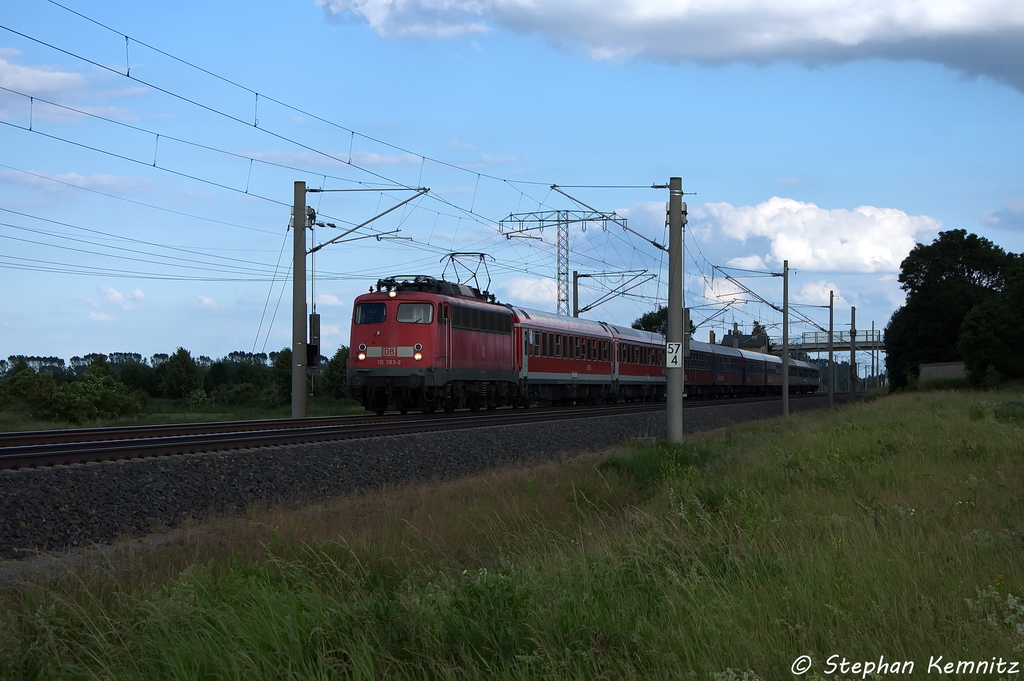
x,y
445,326
527,344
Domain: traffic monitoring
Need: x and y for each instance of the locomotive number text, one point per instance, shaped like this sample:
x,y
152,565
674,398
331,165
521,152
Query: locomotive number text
x,y
389,362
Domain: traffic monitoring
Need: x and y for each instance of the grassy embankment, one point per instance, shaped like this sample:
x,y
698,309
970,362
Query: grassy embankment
x,y
893,527
160,411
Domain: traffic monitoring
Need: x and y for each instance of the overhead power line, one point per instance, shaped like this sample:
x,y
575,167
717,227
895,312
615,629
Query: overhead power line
x,y
523,265
257,95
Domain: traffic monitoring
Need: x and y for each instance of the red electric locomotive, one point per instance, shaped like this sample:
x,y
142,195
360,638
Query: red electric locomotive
x,y
421,343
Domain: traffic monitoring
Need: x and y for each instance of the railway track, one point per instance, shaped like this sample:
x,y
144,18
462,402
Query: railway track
x,y
64,447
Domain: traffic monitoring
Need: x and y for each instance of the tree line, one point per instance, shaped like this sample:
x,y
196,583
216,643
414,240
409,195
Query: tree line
x,y
963,303
119,384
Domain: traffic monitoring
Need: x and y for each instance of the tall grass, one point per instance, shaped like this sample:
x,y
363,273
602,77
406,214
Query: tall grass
x,y
890,528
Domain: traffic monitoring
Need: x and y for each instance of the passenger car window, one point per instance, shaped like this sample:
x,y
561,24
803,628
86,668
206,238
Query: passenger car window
x,y
415,313
370,313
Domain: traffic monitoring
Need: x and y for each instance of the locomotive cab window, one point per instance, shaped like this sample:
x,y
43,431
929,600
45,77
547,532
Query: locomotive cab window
x,y
415,313
371,313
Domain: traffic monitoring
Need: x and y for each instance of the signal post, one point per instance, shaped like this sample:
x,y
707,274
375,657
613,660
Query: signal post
x,y
675,348
299,302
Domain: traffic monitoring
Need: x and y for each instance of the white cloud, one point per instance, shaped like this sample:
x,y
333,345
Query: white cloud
x,y
330,334
130,301
748,262
64,88
865,239
38,81
1010,216
418,18
366,158
107,183
816,293
330,300
530,291
335,158
974,36
299,158
100,317
889,288
486,160
206,303
722,290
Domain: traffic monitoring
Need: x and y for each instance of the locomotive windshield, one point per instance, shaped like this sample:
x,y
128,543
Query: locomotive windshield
x,y
415,313
370,313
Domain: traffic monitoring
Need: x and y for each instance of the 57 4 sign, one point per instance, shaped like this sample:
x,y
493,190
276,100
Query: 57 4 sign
x,y
673,355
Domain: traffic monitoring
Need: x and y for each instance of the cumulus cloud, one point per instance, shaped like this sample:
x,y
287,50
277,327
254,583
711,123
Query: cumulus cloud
x,y
130,301
748,262
865,239
973,36
530,291
206,303
816,293
100,317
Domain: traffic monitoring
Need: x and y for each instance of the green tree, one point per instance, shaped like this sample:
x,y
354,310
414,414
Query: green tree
x,y
98,395
238,378
943,281
657,322
281,377
989,335
138,375
181,375
335,373
24,389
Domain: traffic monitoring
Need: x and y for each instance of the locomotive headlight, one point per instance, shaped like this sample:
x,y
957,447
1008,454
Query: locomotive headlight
x,y
417,347
418,356
392,293
362,347
361,356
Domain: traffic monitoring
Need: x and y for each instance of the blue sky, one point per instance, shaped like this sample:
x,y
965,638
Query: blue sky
x,y
831,134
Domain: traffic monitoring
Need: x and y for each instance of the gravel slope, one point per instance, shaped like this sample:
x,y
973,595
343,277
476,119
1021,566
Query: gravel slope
x,y
68,506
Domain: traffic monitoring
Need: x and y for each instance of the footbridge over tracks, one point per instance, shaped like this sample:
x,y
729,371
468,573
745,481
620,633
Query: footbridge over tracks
x,y
864,341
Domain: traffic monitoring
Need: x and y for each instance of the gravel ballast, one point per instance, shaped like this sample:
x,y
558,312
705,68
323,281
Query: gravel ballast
x,y
67,506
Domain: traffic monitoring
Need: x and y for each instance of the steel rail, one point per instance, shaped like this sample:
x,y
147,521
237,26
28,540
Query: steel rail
x,y
286,433
49,448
